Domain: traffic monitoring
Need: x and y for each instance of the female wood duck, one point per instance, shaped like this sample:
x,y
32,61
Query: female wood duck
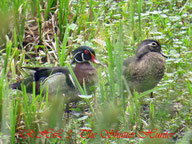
x,y
144,70
58,79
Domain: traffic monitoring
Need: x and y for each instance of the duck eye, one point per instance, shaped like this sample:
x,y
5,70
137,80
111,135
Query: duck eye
x,y
86,52
154,44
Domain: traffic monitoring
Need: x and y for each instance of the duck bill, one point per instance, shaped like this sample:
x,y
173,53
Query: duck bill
x,y
163,54
94,60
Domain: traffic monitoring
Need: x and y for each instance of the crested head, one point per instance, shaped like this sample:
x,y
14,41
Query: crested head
x,y
148,45
84,54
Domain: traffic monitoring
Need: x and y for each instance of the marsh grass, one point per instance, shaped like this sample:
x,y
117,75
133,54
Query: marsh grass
x,y
113,29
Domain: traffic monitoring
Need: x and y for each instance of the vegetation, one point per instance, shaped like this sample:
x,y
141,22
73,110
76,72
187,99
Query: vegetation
x,y
42,33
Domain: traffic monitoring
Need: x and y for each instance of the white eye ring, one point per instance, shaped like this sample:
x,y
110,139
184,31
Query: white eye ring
x,y
154,44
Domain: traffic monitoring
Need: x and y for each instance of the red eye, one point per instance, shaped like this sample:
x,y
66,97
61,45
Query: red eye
x,y
86,51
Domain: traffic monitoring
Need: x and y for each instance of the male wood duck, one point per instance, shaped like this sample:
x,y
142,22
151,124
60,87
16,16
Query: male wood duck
x,y
59,80
144,70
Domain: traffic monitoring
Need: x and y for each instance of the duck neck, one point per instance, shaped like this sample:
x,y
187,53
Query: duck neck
x,y
82,71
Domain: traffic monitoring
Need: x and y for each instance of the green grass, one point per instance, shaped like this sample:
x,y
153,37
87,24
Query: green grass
x,y
43,33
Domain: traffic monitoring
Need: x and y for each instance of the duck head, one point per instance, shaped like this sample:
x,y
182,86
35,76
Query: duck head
x,y
149,45
84,54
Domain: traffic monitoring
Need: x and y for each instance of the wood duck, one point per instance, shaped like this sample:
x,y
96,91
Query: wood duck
x,y
59,80
144,70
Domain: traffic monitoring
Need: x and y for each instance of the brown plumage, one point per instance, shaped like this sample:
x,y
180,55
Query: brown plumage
x,y
144,70
86,73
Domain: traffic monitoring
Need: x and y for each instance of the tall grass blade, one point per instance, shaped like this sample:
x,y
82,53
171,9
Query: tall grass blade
x,y
39,20
111,68
49,4
63,55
